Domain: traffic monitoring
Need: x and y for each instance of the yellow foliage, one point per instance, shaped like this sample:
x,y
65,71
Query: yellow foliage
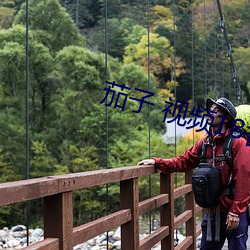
x,y
164,94
194,136
6,17
161,16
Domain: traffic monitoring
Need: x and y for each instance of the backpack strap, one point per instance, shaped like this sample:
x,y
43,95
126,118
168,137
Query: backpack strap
x,y
203,152
227,151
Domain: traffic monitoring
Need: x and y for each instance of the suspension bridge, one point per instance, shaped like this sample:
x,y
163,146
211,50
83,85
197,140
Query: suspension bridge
x,y
56,192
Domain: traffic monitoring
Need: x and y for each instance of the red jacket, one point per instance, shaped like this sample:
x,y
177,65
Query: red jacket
x,y
241,168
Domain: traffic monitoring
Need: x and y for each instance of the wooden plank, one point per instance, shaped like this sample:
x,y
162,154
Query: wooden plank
x,y
178,192
190,205
152,203
58,219
24,190
167,210
185,244
198,231
182,218
46,244
98,177
90,230
154,238
198,209
129,196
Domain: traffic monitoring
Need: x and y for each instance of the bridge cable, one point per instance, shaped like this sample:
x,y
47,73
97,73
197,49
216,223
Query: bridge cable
x,y
149,142
215,52
107,120
175,94
192,71
229,54
27,204
205,50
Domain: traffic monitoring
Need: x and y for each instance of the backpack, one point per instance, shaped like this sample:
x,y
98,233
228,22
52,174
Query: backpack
x,y
206,179
206,183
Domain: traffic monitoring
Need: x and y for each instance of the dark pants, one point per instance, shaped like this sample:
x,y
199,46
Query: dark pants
x,y
237,238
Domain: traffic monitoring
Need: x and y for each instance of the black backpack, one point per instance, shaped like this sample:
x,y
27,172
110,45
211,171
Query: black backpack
x,y
206,179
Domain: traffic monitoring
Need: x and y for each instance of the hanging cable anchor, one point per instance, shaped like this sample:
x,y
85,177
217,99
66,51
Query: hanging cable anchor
x,y
234,75
229,50
222,24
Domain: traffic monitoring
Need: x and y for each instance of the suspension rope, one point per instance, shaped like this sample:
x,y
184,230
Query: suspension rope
x,y
205,51
149,142
215,51
174,75
107,120
27,207
229,54
192,75
221,46
175,94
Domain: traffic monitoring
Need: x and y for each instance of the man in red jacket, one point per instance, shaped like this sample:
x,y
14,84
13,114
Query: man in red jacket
x,y
233,212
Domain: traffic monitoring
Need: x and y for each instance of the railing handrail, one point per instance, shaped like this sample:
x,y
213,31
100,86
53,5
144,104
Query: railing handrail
x,y
50,185
58,208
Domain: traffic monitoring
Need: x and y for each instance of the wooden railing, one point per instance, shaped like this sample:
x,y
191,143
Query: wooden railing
x,y
56,192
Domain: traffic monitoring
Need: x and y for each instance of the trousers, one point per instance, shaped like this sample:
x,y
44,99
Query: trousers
x,y
237,238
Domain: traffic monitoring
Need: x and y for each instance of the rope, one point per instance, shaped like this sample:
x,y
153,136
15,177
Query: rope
x,y
149,142
27,207
192,77
106,76
175,94
229,54
205,51
215,51
174,75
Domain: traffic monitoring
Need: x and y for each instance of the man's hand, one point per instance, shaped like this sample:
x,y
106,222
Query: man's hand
x,y
146,162
232,221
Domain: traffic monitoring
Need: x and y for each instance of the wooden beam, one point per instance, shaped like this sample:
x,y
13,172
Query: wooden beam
x,y
46,244
182,218
98,177
90,230
19,191
152,203
190,205
129,197
154,238
185,244
58,219
185,189
167,210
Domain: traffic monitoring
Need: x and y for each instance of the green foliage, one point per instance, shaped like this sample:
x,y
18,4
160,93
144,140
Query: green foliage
x,y
53,25
68,124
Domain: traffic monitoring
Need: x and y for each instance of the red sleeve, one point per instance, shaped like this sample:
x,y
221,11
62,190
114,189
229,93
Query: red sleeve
x,y
241,174
185,162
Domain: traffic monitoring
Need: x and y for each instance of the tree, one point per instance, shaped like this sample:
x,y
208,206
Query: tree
x,y
6,17
53,25
161,58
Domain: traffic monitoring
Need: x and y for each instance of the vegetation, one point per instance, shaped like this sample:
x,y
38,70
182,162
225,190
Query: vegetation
x,y
70,59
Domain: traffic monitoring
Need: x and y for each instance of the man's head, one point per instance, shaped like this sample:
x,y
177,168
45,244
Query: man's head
x,y
225,106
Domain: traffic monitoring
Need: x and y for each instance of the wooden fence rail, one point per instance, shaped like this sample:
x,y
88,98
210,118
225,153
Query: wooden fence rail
x,y
59,232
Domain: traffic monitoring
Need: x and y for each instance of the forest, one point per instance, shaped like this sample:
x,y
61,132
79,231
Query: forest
x,y
53,86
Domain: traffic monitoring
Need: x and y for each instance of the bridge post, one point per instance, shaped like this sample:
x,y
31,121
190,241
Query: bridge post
x,y
58,219
129,198
190,205
167,210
